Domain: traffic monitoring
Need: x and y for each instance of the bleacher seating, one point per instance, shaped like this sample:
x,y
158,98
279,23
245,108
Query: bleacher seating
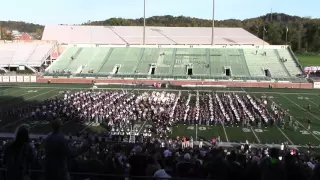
x,y
290,63
93,64
259,60
245,63
14,54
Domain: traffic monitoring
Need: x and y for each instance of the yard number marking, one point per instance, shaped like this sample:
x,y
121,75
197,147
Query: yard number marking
x,y
307,133
31,91
316,132
249,130
201,128
306,98
304,132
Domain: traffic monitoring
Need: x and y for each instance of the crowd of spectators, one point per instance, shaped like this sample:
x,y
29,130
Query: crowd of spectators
x,y
57,155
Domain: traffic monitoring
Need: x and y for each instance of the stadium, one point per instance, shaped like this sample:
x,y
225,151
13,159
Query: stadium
x,y
177,82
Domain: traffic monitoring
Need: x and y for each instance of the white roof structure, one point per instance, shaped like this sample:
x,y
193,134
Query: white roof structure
x,y
14,54
121,35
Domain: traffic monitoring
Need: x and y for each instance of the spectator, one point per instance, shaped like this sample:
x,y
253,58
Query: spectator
x,y
57,150
138,162
19,154
272,167
185,167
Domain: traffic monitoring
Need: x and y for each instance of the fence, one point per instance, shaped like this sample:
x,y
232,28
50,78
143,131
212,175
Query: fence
x,y
18,79
40,175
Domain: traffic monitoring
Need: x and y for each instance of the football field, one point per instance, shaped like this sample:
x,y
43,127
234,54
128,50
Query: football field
x,y
293,100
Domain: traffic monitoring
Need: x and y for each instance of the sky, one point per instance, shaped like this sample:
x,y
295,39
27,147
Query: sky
x,y
79,11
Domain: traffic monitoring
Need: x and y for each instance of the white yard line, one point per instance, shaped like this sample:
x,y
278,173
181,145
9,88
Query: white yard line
x,y
225,132
299,121
285,135
309,100
4,90
151,89
255,135
300,107
40,94
15,96
280,129
142,126
87,126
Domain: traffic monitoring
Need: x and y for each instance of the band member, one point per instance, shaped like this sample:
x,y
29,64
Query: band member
x,y
200,143
213,141
184,140
191,142
187,143
309,124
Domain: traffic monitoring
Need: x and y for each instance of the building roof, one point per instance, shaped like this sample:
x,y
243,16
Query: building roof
x,y
70,34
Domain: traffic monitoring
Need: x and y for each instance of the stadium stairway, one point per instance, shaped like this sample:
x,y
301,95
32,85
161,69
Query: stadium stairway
x,y
73,60
258,62
282,64
243,59
290,64
117,56
63,61
80,59
96,61
105,59
148,56
130,61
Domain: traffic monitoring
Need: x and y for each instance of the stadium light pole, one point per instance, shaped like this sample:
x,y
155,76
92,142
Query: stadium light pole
x,y
287,30
212,35
144,22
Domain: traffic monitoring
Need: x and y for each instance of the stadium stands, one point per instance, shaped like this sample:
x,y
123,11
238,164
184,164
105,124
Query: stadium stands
x,y
242,62
289,63
32,54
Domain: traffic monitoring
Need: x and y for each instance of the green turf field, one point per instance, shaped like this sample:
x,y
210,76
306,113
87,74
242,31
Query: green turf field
x,y
293,100
308,60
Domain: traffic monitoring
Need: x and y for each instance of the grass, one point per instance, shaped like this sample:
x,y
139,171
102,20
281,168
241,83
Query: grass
x,y
308,60
292,100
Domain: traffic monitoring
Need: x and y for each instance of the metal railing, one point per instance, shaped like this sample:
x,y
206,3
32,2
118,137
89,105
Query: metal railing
x,y
40,175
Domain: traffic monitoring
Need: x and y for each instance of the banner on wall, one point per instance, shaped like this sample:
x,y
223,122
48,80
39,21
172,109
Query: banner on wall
x,y
19,78
316,85
13,78
5,79
33,78
26,78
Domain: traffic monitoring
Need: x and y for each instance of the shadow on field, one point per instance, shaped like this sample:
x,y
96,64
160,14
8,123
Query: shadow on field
x,y
10,117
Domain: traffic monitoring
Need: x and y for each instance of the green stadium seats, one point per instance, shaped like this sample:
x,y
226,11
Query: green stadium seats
x,y
96,60
64,60
179,63
290,63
